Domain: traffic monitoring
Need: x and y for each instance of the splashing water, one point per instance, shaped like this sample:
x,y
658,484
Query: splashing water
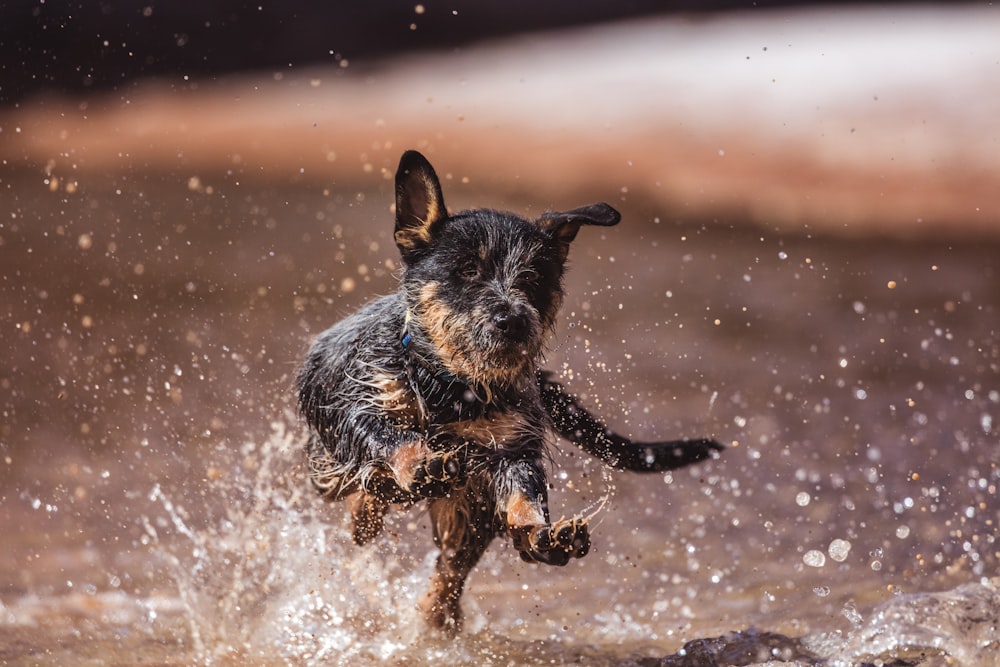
x,y
956,627
959,626
271,579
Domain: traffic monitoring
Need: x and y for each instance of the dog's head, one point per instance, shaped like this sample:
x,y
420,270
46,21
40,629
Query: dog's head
x,y
483,287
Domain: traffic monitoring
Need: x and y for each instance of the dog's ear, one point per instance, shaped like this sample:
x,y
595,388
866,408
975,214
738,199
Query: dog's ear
x,y
564,226
419,204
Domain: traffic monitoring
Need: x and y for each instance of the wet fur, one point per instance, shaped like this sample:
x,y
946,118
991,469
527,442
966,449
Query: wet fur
x,y
435,392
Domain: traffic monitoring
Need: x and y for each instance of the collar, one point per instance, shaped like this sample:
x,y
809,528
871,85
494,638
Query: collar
x,y
407,336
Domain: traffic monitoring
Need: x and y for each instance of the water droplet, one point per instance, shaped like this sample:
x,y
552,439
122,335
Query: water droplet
x,y
851,613
839,549
814,558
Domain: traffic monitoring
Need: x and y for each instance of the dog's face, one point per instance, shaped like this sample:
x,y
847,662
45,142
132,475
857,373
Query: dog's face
x,y
486,293
483,287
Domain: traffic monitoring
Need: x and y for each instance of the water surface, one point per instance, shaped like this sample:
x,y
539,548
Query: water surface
x,y
155,510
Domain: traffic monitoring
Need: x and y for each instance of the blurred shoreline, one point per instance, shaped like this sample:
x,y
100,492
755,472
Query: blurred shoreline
x,y
861,122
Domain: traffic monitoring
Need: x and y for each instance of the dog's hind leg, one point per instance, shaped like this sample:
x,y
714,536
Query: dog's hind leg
x,y
463,528
367,514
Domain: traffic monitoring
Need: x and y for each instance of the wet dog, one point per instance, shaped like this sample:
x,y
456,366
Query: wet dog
x,y
435,392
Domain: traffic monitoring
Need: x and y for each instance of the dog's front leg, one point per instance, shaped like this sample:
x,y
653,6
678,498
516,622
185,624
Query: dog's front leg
x,y
381,464
408,473
522,500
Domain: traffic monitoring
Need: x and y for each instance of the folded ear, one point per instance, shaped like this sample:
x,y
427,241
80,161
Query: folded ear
x,y
564,226
419,203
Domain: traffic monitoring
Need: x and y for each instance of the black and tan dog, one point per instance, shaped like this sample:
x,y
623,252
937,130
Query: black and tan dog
x,y
435,392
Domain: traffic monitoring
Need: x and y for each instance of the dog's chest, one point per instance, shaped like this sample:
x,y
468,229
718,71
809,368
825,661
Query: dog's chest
x,y
453,415
500,432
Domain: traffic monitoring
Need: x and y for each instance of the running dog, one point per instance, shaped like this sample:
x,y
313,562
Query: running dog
x,y
435,392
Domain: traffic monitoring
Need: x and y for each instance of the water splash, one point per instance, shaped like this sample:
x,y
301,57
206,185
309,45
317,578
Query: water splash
x,y
272,581
960,626
271,578
957,627
273,575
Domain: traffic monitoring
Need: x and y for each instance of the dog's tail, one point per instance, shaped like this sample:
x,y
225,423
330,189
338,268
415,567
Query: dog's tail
x,y
572,421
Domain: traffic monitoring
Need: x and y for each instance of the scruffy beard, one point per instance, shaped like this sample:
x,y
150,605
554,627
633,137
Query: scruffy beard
x,y
468,347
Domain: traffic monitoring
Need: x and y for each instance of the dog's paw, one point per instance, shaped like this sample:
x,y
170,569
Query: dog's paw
x,y
553,544
435,475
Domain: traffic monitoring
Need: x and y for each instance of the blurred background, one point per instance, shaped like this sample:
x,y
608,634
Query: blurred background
x,y
807,268
838,116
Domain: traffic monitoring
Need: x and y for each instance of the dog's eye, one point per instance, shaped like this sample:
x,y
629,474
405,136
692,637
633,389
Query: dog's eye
x,y
528,277
468,270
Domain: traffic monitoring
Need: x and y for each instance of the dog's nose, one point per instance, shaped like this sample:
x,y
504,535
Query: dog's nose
x,y
510,324
501,321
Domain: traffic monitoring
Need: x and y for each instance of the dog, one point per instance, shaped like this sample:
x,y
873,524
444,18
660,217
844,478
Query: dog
x,y
435,392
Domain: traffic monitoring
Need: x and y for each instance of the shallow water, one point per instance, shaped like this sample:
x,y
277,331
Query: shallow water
x,y
155,511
